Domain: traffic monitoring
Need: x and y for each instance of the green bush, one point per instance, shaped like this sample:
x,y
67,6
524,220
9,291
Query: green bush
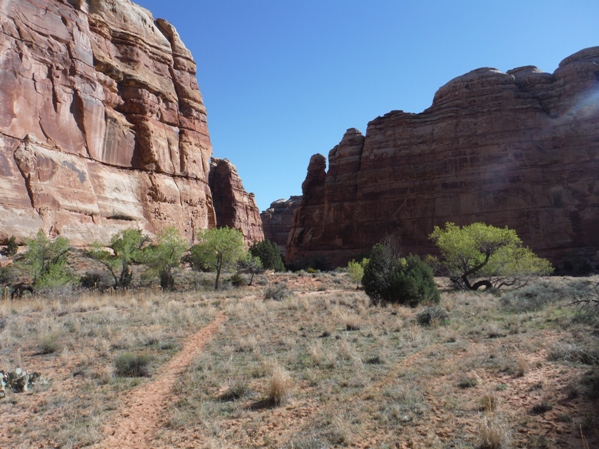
x,y
392,279
46,261
49,345
129,365
269,254
12,247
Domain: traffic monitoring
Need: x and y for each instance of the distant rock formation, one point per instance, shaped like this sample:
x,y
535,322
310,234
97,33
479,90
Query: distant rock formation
x,y
517,149
277,220
234,207
102,124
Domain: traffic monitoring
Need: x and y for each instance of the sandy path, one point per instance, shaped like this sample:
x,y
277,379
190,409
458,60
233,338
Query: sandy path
x,y
139,415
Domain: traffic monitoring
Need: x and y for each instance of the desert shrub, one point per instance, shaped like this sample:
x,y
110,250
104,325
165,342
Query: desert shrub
x,y
237,390
269,254
536,296
572,353
237,280
94,280
279,385
67,293
130,365
430,315
250,265
308,442
320,263
356,270
126,247
468,382
493,433
12,247
389,278
276,292
164,256
48,345
532,297
46,261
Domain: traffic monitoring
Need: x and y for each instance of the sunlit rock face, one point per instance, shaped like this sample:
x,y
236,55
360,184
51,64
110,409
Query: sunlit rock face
x,y
234,207
517,149
102,123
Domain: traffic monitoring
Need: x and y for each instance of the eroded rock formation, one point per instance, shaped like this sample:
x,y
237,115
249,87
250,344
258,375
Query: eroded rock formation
x,y
102,124
277,220
234,207
517,149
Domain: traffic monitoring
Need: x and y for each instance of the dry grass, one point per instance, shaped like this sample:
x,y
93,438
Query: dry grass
x,y
317,369
493,433
279,385
78,343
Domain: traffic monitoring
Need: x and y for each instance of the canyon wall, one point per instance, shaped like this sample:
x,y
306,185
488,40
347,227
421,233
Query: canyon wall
x,y
234,207
517,149
102,123
277,220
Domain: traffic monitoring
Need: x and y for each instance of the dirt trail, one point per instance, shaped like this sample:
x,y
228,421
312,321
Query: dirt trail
x,y
139,415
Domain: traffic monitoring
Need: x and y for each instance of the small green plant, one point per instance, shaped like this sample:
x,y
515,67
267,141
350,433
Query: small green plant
x,y
356,270
468,382
48,345
237,390
130,365
541,407
434,315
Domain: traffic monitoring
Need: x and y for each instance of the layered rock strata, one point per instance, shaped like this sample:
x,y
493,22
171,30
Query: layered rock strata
x,y
517,149
102,123
277,220
234,207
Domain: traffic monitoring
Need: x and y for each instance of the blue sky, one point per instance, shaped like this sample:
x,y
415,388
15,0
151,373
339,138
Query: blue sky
x,y
284,79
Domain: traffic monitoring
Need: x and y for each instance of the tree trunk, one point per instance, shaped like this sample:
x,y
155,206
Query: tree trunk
x,y
487,284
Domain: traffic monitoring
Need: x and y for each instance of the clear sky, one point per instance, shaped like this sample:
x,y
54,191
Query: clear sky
x,y
283,79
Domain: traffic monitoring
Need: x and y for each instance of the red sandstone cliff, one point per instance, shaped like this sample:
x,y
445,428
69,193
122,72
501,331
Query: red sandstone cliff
x,y
277,220
517,149
234,207
102,124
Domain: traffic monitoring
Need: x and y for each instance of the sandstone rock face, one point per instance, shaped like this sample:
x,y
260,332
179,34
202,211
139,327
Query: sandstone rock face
x,y
517,149
234,207
102,124
277,220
